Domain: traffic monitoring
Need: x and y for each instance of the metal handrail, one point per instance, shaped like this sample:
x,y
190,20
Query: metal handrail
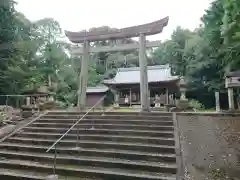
x,y
56,142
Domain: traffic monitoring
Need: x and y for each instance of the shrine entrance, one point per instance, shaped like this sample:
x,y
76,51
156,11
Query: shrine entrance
x,y
141,31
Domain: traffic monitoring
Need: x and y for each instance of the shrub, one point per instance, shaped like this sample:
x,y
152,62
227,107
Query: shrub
x,y
195,104
61,104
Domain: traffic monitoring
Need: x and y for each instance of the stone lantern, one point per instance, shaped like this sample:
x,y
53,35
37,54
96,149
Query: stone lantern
x,y
182,88
182,103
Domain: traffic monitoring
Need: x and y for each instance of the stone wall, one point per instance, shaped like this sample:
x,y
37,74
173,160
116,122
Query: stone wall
x,y
210,146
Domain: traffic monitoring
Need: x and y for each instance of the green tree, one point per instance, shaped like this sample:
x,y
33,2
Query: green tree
x,y
174,51
51,51
14,33
206,54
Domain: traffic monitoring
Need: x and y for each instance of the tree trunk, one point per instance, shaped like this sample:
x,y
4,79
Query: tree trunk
x,y
49,81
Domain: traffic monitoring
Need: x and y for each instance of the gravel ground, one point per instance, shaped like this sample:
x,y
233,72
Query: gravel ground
x,y
210,147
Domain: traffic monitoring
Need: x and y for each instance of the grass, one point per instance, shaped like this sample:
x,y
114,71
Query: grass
x,y
125,110
219,174
206,110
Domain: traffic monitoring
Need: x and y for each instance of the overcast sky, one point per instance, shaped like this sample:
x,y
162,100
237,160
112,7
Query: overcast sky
x,y
77,15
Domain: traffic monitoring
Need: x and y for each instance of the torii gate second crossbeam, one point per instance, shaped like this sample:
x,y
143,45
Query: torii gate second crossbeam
x,y
140,31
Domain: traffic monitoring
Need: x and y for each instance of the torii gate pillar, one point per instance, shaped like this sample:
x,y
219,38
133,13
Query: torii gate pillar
x,y
83,76
143,73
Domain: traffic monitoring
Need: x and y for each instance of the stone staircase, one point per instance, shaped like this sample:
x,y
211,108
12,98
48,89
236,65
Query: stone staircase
x,y
114,146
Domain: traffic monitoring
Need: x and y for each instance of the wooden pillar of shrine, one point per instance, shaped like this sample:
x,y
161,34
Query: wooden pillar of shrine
x,y
83,76
167,96
143,73
130,97
230,98
116,99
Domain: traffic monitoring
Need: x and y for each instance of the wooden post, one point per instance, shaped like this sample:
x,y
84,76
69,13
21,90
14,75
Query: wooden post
x,y
149,98
230,98
238,95
6,104
83,76
167,94
116,99
143,73
130,97
217,101
28,101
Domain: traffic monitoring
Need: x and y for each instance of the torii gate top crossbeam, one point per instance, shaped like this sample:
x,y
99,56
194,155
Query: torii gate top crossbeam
x,y
134,31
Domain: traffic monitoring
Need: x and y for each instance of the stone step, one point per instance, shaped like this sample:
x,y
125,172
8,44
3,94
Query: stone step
x,y
113,146
14,174
146,118
105,173
88,125
92,161
109,153
99,137
111,113
110,121
102,131
9,174
96,144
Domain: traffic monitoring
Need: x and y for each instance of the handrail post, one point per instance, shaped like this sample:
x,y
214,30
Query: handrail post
x,y
52,146
77,142
92,124
103,110
55,160
6,104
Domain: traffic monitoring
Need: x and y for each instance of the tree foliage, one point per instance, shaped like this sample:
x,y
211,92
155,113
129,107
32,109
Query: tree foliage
x,y
204,56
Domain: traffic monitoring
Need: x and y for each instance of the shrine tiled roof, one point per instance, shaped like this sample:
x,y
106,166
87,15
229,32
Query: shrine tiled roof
x,y
97,89
159,73
233,74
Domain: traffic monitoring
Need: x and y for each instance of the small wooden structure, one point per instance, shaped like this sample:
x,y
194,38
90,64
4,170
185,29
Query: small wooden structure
x,y
162,86
95,94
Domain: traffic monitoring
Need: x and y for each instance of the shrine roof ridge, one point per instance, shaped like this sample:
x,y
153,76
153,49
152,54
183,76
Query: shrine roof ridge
x,y
156,67
233,74
97,89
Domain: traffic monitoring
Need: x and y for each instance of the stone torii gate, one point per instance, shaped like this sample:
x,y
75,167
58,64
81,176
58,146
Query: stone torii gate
x,y
140,31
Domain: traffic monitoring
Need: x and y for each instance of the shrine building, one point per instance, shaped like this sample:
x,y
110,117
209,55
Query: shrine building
x,y
161,84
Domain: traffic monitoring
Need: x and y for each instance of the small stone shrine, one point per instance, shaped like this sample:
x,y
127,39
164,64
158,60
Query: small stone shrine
x,y
232,81
37,99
